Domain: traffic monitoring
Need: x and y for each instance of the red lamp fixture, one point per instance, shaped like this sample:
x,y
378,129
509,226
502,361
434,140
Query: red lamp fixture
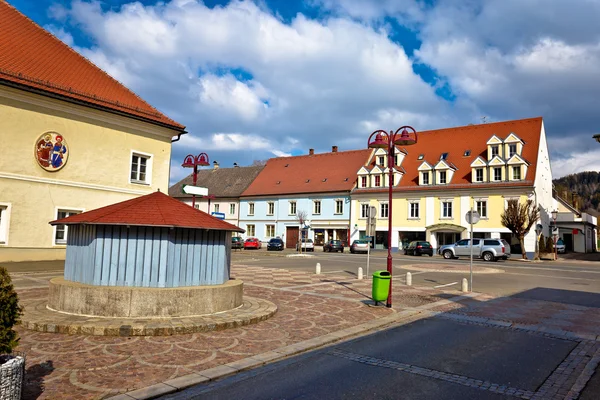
x,y
191,161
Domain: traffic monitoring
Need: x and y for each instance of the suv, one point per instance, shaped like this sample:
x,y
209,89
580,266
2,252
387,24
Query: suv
x,y
307,245
488,249
236,243
334,245
418,248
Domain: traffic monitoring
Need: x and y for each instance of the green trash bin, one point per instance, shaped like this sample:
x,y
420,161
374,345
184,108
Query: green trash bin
x,y
381,285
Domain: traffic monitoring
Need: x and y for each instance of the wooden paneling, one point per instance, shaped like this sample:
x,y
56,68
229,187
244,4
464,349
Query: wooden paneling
x,y
147,256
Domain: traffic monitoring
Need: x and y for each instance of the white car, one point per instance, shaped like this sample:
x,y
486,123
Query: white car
x,y
307,245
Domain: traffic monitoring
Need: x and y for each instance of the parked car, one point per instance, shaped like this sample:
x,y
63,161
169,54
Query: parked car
x,y
307,245
333,245
418,248
236,243
275,244
252,243
359,246
560,246
488,249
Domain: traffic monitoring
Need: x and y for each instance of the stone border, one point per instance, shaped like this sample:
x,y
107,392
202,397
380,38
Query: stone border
x,y
39,318
459,270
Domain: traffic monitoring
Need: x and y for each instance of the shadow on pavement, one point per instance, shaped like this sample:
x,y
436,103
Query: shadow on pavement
x,y
33,384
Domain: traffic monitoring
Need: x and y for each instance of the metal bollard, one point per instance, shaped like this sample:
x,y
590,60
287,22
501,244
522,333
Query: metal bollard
x,y
360,273
465,285
408,279
318,269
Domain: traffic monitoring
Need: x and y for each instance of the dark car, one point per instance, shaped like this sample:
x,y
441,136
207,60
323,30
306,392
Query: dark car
x,y
333,245
275,244
236,243
418,248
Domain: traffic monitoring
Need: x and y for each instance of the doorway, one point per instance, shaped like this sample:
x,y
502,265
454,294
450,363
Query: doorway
x,y
291,237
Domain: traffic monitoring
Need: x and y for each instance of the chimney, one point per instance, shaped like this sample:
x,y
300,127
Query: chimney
x,y
311,152
235,165
215,165
334,149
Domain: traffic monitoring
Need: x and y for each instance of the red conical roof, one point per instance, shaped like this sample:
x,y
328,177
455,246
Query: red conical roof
x,y
155,209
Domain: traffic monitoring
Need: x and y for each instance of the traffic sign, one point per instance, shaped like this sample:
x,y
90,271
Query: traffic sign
x,y
218,215
194,190
555,231
472,217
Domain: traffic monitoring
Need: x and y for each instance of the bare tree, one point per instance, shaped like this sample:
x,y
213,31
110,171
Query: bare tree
x,y
301,217
519,218
259,162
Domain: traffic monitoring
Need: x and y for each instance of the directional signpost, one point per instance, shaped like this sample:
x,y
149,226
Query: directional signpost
x,y
218,215
194,190
472,218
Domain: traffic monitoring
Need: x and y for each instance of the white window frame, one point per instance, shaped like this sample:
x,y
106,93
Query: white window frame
x,y
217,207
364,181
149,161
417,214
270,230
292,208
516,168
364,212
250,208
443,211
316,207
339,206
494,169
270,208
425,175
232,209
250,227
5,209
497,147
478,208
385,206
510,152
73,210
381,161
445,175
477,171
375,181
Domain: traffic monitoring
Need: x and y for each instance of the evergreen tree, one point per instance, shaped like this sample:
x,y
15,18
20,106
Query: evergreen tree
x,y
549,245
542,244
10,313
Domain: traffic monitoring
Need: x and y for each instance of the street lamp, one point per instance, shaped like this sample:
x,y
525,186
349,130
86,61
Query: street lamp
x,y
191,161
554,216
380,139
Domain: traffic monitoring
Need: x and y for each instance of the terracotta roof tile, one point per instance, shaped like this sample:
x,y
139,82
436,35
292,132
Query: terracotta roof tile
x,y
154,209
317,173
221,182
33,58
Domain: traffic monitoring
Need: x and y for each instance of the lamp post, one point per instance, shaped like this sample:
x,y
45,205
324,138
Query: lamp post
x,y
190,161
381,139
555,237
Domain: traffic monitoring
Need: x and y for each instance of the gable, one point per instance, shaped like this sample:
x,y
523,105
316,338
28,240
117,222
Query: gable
x,y
443,165
517,159
377,170
425,166
363,171
512,138
496,161
494,140
479,162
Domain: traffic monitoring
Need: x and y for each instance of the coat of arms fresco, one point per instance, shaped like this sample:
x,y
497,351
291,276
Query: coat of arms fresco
x,y
51,151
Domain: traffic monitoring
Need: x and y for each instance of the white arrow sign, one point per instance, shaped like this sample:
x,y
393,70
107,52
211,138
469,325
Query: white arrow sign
x,y
195,190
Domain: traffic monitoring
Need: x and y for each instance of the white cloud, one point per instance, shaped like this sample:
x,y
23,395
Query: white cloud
x,y
576,162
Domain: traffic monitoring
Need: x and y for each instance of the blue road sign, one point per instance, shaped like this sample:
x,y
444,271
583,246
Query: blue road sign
x,y
219,215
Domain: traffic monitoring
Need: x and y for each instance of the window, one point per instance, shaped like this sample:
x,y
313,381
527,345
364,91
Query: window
x,y
516,173
364,210
413,210
396,159
381,161
421,156
61,231
292,208
385,208
512,149
217,208
232,209
446,209
443,156
339,206
197,206
363,181
3,224
270,208
425,178
442,178
479,175
481,207
317,207
250,230
377,181
140,168
497,173
270,231
250,208
467,153
494,151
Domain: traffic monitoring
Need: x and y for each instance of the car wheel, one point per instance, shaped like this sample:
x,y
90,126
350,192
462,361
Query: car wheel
x,y
447,254
487,256
430,254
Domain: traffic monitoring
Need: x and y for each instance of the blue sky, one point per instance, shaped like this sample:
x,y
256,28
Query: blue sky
x,y
257,79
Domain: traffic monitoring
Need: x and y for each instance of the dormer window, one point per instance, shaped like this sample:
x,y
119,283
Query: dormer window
x,y
377,181
363,181
381,161
479,175
512,149
497,173
425,178
444,156
516,173
442,178
495,150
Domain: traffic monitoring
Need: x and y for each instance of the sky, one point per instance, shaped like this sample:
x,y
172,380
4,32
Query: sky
x,y
258,79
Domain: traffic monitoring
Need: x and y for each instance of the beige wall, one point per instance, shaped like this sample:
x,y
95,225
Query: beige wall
x,y
96,174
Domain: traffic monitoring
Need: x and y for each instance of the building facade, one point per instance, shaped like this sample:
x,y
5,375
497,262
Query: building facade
x,y
316,186
577,229
447,173
78,140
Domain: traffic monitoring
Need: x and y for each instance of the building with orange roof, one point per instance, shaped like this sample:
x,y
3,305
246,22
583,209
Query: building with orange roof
x,y
76,138
447,172
317,185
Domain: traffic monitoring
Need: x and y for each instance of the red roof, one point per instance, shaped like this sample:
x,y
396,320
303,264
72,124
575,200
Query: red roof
x,y
317,173
33,58
154,209
455,141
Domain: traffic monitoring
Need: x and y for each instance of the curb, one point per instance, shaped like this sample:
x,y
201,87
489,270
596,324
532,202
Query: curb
x,y
222,371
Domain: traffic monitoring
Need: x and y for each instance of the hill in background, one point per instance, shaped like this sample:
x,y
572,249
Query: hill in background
x,y
581,189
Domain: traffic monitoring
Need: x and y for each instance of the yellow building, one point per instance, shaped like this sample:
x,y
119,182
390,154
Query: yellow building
x,y
448,171
74,140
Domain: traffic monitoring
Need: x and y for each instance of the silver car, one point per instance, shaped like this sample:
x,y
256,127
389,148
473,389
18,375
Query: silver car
x,y
488,249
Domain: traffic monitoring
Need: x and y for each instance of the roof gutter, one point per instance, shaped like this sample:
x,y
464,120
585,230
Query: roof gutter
x,y
178,137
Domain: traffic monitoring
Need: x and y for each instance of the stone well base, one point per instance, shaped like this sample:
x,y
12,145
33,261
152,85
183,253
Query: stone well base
x,y
135,302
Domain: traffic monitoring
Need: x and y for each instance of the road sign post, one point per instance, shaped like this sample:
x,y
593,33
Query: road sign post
x,y
472,218
371,228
